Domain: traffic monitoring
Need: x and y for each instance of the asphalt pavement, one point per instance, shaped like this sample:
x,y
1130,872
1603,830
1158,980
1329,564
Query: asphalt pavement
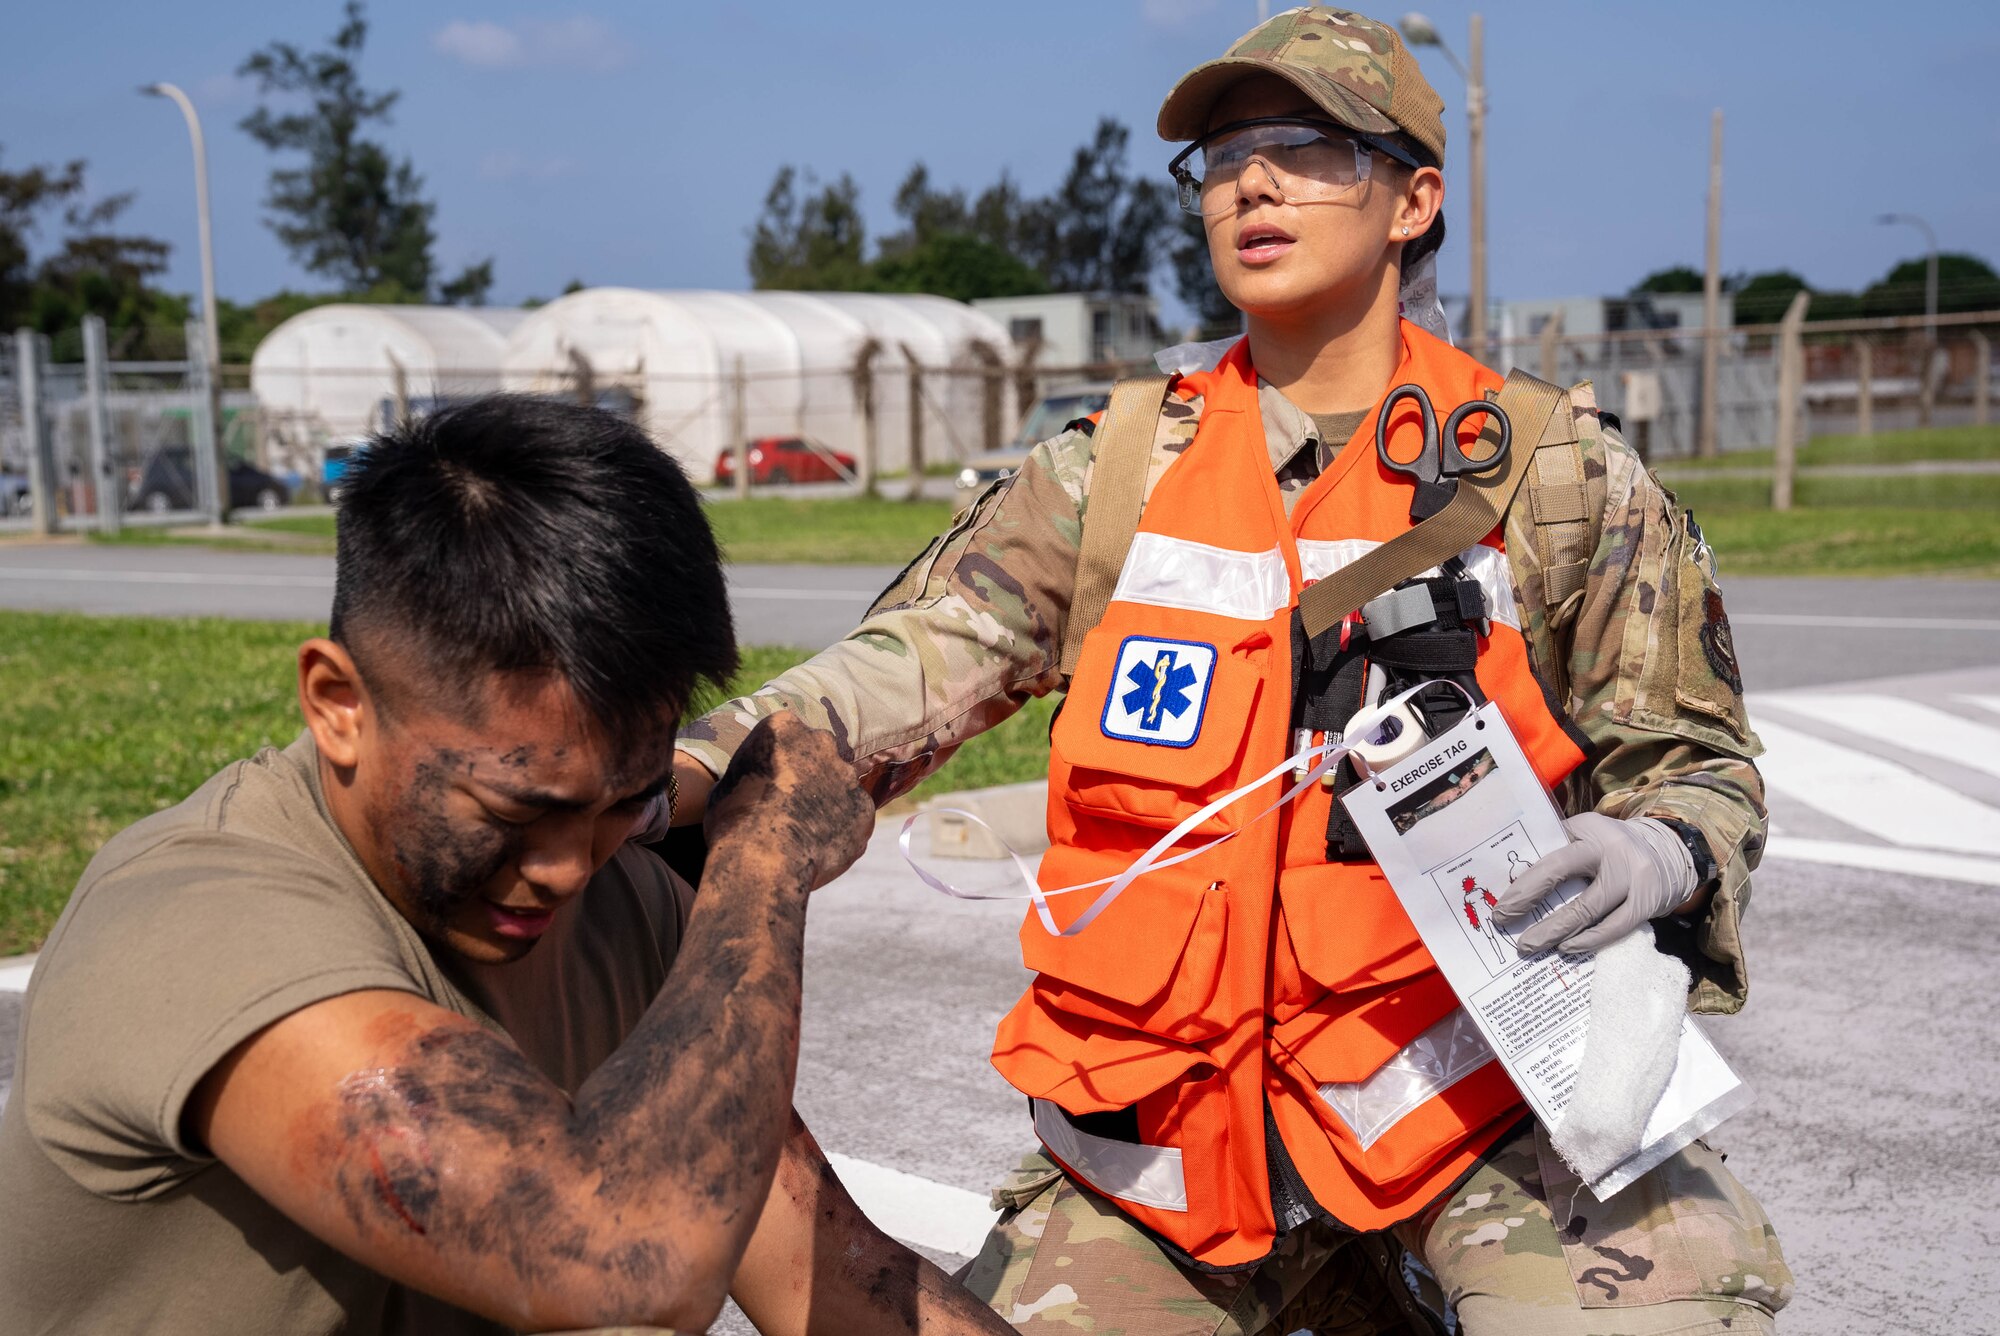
x,y
1789,633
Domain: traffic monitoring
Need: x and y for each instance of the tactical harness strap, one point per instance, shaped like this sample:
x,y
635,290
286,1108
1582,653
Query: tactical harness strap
x,y
1475,509
1120,462
1561,509
1562,520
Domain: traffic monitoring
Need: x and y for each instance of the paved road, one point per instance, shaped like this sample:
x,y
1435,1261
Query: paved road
x,y
1789,632
775,605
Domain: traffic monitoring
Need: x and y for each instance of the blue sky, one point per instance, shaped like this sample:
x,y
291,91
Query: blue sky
x,y
627,142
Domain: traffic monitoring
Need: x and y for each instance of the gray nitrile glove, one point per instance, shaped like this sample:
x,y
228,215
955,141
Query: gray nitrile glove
x,y
1638,868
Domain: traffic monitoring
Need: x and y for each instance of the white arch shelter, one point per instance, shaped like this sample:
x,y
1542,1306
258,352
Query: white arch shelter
x,y
677,355
335,366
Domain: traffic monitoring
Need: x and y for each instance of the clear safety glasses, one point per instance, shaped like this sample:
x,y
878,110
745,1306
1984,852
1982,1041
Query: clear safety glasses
x,y
1310,162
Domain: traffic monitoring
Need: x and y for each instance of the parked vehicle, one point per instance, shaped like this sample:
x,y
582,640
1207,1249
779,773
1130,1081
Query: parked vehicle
x,y
780,459
15,498
166,482
333,465
1054,411
1057,409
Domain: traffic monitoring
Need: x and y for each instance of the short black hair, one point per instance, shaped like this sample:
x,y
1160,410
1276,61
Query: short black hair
x,y
514,533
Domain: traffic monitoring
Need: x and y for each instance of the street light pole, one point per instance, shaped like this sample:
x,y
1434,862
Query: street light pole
x,y
1930,268
1420,31
211,328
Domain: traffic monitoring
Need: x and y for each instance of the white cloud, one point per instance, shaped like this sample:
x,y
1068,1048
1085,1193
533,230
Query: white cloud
x,y
479,43
508,166
577,42
1175,13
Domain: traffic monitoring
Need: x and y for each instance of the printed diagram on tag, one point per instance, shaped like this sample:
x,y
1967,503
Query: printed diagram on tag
x,y
1159,691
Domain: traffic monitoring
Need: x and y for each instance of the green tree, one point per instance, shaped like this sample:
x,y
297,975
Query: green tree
x,y
1761,299
952,250
1965,283
1103,230
956,265
1679,278
470,287
1194,280
810,238
92,269
351,213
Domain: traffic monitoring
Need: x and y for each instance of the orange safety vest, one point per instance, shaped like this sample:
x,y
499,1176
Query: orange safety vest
x,y
1258,975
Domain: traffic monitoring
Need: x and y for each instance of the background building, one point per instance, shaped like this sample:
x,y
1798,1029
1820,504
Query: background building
x,y
1074,330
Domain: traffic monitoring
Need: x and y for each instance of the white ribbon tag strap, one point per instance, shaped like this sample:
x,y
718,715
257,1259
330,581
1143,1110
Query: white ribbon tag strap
x,y
1319,757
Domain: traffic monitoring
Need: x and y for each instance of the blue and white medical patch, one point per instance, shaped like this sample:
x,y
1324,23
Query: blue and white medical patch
x,y
1159,691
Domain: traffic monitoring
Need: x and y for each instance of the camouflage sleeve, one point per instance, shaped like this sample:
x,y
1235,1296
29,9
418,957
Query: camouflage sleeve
x,y
969,631
1654,685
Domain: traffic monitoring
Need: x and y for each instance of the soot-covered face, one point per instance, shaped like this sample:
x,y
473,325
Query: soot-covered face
x,y
481,826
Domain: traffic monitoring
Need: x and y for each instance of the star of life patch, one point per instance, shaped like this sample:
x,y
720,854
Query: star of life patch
x,y
1159,691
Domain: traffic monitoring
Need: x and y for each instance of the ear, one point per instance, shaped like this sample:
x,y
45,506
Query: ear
x,y
1421,199
334,700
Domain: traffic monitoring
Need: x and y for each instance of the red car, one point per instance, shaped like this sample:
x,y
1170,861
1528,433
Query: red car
x,y
778,459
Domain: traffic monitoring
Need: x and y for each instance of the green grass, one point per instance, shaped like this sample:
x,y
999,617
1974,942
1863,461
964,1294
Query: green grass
x,y
764,529
1855,541
1920,491
830,530
108,719
1888,447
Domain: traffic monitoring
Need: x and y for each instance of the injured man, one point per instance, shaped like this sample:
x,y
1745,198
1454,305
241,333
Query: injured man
x,y
391,1029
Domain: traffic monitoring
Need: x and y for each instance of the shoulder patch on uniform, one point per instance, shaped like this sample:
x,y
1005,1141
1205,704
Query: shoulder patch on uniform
x,y
1159,691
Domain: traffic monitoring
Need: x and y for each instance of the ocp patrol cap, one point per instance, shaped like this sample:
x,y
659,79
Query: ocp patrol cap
x,y
1356,70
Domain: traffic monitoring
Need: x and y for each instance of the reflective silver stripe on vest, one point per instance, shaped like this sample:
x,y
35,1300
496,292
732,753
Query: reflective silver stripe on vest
x,y
1319,558
1178,573
1143,1175
1429,1065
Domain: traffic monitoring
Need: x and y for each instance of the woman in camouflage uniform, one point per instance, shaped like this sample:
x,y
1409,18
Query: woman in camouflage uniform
x,y
1630,636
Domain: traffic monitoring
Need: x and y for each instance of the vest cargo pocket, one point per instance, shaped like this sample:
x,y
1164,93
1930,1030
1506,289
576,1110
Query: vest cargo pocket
x,y
1194,697
1150,962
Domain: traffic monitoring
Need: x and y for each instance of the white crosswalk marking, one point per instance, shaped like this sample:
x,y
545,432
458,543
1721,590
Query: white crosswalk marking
x,y
1879,797
1903,723
1990,704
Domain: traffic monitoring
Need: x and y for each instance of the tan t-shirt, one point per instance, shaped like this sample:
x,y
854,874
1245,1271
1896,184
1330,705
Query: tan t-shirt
x,y
189,932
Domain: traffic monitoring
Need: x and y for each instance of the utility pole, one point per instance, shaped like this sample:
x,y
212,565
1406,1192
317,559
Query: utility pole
x,y
739,428
1420,31
1475,119
1711,296
97,390
31,353
211,328
1791,370
915,382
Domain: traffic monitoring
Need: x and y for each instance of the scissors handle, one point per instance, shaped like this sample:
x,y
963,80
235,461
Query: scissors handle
x,y
1452,460
1423,467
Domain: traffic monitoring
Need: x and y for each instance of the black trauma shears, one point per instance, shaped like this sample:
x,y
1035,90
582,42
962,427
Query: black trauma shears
x,y
1440,463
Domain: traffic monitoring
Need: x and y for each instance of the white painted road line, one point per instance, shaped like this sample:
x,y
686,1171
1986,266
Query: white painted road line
x,y
1910,725
1880,797
30,574
1887,858
916,1210
14,975
1991,704
1863,623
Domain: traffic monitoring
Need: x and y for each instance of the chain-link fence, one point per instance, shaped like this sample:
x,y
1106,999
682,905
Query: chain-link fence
x,y
80,429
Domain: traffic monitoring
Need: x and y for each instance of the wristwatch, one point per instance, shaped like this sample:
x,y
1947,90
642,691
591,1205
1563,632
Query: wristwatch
x,y
1705,869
